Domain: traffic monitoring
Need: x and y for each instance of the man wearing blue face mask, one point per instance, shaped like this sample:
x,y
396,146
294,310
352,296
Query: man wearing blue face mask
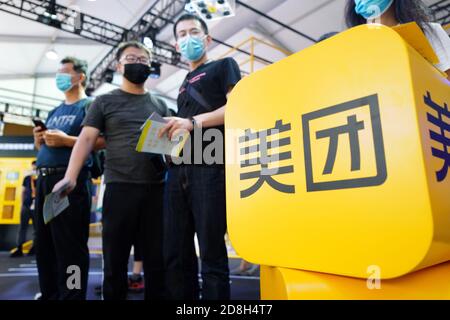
x,y
195,191
63,241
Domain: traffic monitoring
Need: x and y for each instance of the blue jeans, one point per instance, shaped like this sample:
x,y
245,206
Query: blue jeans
x,y
195,203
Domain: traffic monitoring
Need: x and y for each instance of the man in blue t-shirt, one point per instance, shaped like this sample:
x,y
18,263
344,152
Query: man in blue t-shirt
x,y
62,243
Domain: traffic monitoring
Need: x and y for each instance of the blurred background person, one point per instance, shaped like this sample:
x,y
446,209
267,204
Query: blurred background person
x,y
27,212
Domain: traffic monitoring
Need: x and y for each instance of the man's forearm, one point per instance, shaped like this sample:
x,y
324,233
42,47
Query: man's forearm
x,y
70,141
214,118
211,119
83,147
37,145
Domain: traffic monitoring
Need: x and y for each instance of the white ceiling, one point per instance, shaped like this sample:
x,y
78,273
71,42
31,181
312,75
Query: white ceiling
x,y
23,43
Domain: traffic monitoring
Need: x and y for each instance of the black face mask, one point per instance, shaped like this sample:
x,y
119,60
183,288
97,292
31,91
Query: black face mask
x,y
136,73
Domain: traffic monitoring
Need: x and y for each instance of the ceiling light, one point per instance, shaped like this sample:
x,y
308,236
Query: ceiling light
x,y
148,43
52,54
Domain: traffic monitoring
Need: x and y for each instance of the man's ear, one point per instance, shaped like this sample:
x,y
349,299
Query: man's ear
x,y
177,47
119,67
82,77
208,39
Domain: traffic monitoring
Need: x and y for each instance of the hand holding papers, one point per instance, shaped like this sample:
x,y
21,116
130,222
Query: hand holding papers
x,y
54,203
151,143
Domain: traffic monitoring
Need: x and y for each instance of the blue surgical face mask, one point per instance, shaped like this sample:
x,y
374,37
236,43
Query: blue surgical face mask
x,y
371,9
192,48
64,81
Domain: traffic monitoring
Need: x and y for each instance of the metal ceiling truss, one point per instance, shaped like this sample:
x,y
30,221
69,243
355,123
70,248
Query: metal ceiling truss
x,y
159,15
67,19
71,19
441,11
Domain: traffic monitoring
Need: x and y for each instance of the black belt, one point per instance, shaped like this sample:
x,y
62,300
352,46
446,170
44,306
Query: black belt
x,y
51,171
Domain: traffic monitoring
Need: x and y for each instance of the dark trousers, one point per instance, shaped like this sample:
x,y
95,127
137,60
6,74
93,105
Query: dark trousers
x,y
26,214
137,247
195,203
62,243
131,210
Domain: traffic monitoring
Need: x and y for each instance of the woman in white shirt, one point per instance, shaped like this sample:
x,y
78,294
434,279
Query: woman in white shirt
x,y
394,12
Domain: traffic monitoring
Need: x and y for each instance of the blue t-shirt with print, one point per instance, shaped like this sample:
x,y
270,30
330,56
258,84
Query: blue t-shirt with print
x,y
67,118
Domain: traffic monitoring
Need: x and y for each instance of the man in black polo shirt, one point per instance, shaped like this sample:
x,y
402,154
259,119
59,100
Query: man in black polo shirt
x,y
132,204
195,192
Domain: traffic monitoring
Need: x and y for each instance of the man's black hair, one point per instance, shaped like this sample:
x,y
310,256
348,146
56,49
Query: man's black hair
x,y
79,66
189,16
131,44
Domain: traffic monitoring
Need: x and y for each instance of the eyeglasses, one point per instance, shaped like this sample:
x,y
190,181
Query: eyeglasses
x,y
133,59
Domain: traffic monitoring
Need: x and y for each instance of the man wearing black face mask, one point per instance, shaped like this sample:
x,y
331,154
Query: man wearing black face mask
x,y
132,204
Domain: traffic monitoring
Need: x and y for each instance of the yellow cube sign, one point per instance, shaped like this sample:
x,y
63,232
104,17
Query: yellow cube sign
x,y
338,159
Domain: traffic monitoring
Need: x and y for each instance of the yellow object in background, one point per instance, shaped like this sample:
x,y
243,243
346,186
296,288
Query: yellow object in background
x,y
338,159
212,8
12,173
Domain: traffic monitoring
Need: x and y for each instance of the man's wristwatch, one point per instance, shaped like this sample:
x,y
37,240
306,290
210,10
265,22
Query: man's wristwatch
x,y
194,123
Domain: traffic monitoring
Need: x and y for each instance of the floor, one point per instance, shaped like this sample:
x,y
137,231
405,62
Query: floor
x,y
18,280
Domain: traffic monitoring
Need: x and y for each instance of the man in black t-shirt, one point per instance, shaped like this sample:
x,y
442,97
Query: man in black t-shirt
x,y
195,190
